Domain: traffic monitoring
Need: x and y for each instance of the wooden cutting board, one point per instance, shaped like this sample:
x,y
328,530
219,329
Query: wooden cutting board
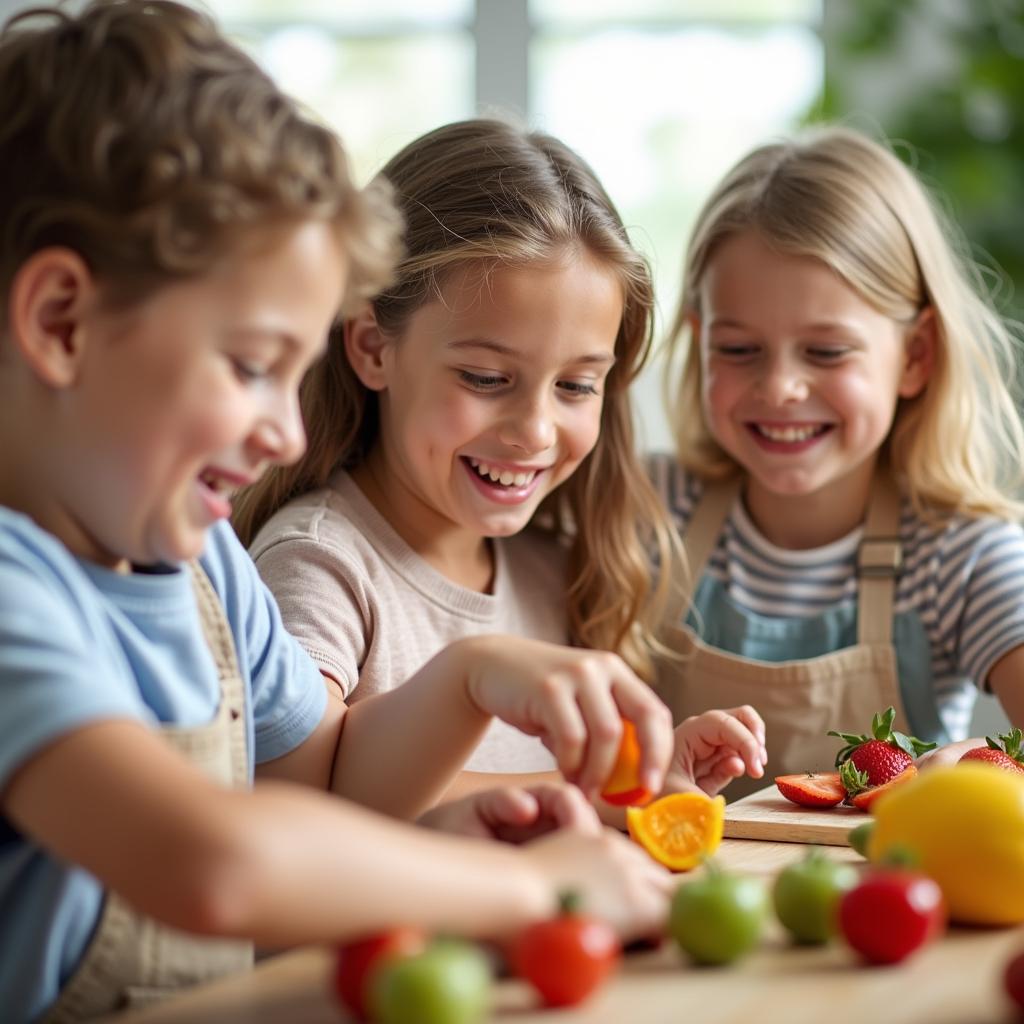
x,y
767,814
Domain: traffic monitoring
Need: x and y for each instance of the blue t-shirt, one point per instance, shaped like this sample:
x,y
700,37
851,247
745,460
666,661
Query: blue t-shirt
x,y
78,644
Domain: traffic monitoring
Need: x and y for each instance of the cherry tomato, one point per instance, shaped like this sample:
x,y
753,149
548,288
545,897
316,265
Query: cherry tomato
x,y
356,961
719,917
806,896
891,913
568,957
448,983
1013,979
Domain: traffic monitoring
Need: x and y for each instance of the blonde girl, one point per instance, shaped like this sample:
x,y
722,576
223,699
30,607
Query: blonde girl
x,y
848,457
470,466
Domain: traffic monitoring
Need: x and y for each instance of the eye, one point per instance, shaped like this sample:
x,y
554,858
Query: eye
x,y
578,388
735,351
247,372
827,353
482,381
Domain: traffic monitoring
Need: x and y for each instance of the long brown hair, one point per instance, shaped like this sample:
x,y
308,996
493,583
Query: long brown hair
x,y
485,192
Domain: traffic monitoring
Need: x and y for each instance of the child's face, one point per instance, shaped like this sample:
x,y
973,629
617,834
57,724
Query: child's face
x,y
193,393
800,376
493,396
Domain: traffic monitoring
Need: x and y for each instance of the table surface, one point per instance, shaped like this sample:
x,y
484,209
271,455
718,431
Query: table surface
x,y
956,980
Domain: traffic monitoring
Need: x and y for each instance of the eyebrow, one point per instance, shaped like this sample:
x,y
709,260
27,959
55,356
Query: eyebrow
x,y
600,358
839,326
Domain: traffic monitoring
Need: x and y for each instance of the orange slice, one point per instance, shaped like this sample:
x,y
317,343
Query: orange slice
x,y
623,785
680,829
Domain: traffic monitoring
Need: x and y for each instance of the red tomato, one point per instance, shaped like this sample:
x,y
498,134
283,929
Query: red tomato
x,y
356,962
568,957
1013,979
890,913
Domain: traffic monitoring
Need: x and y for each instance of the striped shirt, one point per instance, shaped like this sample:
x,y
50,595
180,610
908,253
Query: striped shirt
x,y
962,577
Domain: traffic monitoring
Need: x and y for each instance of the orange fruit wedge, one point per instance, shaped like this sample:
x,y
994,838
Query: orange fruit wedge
x,y
623,787
680,829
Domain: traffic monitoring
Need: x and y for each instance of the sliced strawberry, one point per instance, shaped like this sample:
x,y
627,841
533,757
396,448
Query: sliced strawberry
x,y
812,789
1004,753
866,797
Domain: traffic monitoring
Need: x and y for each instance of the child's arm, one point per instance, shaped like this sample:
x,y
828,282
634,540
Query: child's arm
x,y
398,751
1007,682
285,864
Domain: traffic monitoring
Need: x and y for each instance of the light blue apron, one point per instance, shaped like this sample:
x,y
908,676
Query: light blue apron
x,y
803,675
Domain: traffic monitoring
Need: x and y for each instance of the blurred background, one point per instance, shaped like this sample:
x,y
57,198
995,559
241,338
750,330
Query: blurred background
x,y
662,96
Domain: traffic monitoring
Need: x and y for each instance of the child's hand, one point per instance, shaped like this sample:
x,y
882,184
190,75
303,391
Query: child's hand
x,y
716,747
616,880
574,700
516,814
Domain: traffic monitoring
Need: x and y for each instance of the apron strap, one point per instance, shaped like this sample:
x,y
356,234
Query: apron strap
x,y
879,561
706,525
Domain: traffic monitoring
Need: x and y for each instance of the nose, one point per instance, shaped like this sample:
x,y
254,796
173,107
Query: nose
x,y
279,435
529,425
783,381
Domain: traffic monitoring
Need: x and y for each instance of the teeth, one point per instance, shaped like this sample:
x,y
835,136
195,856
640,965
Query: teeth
x,y
505,477
788,434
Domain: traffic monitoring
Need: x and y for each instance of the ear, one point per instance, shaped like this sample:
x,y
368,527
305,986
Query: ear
x,y
367,348
48,297
918,354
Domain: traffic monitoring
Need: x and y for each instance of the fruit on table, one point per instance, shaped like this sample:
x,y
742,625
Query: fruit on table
x,y
884,753
718,917
448,983
356,961
680,829
623,787
806,896
566,958
890,913
864,799
812,789
1013,979
1004,752
859,837
965,825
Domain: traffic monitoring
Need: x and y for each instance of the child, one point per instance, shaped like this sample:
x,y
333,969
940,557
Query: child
x,y
847,491
470,464
176,243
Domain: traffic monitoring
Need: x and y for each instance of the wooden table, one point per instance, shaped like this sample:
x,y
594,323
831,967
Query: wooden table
x,y
954,981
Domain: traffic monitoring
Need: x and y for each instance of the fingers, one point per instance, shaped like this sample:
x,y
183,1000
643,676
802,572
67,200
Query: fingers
x,y
754,722
565,807
604,728
716,729
653,721
716,776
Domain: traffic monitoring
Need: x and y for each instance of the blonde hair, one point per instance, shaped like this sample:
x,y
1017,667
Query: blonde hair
x,y
483,192
135,134
839,197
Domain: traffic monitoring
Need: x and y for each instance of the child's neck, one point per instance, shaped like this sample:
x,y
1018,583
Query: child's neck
x,y
804,521
459,555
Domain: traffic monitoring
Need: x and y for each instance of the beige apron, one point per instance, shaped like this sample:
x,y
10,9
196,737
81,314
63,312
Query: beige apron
x,y
131,959
799,700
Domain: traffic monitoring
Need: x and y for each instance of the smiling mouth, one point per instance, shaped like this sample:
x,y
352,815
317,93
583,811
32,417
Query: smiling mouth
x,y
504,477
790,434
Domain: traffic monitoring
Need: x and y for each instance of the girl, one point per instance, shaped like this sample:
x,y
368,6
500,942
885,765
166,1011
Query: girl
x,y
847,491
470,465
177,239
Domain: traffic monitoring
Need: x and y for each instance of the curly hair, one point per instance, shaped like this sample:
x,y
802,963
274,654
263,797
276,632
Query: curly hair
x,y
135,134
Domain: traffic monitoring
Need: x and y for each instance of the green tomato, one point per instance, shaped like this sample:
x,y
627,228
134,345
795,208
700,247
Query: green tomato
x,y
860,836
806,896
718,917
448,983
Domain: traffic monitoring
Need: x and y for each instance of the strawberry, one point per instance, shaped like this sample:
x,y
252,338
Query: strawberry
x,y
884,754
866,797
812,789
1004,753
